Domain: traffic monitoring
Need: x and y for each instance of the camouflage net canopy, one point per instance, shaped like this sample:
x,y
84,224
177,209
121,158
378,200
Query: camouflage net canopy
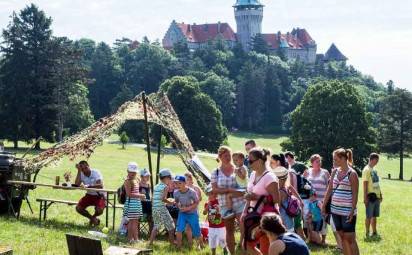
x,y
159,111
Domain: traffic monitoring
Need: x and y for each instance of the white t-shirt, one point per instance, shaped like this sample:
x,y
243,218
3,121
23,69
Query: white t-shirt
x,y
91,180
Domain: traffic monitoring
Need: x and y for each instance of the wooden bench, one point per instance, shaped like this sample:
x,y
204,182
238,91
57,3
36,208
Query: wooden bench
x,y
45,203
79,245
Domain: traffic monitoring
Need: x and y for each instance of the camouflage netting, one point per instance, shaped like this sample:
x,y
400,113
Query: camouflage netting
x,y
82,144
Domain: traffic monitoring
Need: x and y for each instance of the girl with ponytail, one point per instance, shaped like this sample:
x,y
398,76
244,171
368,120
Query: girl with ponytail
x,y
343,191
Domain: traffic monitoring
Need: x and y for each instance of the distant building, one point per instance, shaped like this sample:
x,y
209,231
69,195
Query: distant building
x,y
297,44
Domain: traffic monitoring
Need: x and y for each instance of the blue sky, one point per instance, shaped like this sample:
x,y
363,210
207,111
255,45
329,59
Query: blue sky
x,y
376,35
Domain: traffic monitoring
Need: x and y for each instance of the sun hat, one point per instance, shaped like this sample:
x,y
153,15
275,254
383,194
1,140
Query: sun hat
x,y
180,178
281,172
144,172
165,172
132,167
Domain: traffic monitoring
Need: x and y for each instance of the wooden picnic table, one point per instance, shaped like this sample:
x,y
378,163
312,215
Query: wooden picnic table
x,y
110,202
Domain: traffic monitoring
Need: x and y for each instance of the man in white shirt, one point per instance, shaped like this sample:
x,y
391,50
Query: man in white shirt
x,y
90,178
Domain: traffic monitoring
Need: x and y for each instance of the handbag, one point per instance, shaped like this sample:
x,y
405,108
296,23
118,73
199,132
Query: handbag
x,y
329,203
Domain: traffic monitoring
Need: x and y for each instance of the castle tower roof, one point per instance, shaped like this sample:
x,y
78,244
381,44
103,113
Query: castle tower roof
x,y
334,54
241,3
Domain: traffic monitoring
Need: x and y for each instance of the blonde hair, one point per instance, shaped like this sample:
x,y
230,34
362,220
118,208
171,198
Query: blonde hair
x,y
315,157
344,153
222,150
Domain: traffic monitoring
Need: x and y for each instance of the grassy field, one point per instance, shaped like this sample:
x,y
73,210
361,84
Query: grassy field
x,y
28,236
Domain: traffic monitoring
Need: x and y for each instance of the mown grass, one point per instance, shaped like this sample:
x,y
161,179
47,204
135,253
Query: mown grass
x,y
28,236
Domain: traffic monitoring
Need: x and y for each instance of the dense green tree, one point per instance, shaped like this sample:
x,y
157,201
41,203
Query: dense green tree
x,y
87,48
250,94
146,67
124,139
69,75
28,102
395,130
197,112
125,94
105,74
331,115
259,44
222,91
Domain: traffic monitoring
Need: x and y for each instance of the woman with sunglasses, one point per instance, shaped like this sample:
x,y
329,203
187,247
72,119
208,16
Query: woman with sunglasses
x,y
281,242
262,183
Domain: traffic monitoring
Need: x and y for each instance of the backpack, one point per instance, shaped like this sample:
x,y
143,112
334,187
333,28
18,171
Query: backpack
x,y
121,194
293,207
301,182
251,222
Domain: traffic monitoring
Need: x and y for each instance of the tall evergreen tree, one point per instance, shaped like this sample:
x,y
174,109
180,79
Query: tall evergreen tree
x,y
29,107
106,76
259,44
395,130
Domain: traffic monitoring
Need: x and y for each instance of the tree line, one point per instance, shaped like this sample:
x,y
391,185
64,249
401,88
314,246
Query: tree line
x,y
51,87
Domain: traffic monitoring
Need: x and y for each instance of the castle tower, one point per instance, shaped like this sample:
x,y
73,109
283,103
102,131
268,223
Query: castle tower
x,y
248,15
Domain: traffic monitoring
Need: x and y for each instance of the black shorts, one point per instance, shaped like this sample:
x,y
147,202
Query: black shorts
x,y
342,225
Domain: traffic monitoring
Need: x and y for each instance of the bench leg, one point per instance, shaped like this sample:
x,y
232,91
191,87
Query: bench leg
x,y
114,210
41,208
107,209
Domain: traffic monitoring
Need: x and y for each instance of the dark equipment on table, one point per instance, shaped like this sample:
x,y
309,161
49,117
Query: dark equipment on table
x,y
10,170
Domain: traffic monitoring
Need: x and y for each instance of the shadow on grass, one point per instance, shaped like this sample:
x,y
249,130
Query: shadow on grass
x,y
373,239
332,249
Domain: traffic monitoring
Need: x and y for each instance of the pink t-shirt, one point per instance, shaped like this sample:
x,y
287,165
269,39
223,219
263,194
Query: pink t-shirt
x,y
260,187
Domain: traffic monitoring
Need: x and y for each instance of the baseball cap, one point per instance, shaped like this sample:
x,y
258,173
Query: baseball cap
x,y
180,178
132,167
144,172
165,172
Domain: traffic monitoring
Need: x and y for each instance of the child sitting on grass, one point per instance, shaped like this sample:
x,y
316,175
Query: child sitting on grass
x,y
217,230
160,214
187,201
241,181
315,219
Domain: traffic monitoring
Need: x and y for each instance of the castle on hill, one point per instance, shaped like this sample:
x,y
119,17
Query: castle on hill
x,y
297,44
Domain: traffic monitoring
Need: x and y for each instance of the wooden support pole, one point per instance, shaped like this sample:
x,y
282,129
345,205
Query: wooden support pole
x,y
146,129
158,153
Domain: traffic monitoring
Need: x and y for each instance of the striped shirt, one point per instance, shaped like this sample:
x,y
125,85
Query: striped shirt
x,y
319,182
342,195
158,195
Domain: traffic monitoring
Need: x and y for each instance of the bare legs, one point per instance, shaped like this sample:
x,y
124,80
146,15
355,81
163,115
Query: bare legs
x,y
93,218
368,222
349,244
132,231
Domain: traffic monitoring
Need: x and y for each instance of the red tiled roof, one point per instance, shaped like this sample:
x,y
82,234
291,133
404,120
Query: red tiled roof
x,y
297,39
203,32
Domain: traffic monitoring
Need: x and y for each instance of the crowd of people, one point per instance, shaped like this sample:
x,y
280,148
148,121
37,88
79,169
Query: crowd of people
x,y
276,203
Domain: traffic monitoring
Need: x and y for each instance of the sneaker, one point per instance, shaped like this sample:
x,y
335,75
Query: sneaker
x,y
374,234
228,215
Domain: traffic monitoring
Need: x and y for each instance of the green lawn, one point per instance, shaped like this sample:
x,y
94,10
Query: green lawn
x,y
27,236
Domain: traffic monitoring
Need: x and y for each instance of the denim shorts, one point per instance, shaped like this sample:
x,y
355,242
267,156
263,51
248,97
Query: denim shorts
x,y
317,225
373,209
342,225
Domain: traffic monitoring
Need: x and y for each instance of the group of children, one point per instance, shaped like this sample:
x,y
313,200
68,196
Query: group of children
x,y
180,194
